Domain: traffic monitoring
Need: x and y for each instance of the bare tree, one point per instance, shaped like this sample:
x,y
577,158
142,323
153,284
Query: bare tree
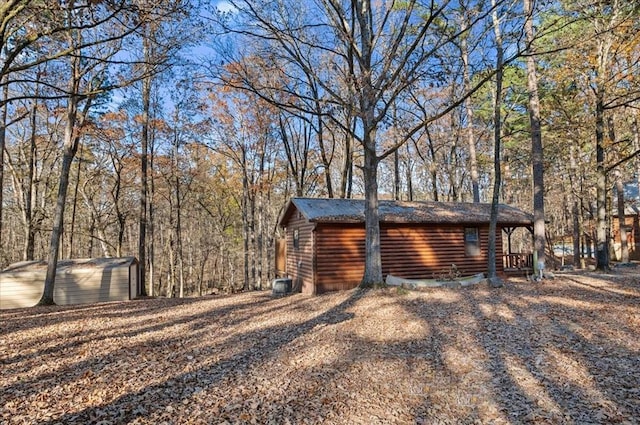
x,y
75,120
373,53
90,40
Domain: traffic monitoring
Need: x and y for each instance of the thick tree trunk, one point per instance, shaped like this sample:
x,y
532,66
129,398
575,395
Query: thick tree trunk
x,y
3,132
602,73
373,260
367,105
71,139
58,219
636,145
537,158
602,245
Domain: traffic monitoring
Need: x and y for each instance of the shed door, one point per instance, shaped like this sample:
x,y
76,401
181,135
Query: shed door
x,y
134,281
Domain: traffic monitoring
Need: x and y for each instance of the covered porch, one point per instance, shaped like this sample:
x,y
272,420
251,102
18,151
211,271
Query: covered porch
x,y
518,258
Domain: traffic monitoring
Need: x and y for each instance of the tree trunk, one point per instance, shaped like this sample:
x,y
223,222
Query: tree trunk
x,y
171,277
537,158
178,219
576,233
494,281
452,169
602,246
433,170
144,158
575,208
373,261
152,258
67,160
71,140
409,175
245,221
29,245
74,209
120,215
3,133
296,160
636,146
473,161
602,73
396,175
326,162
347,168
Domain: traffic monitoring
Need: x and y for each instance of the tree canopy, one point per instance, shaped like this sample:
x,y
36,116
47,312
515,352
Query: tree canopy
x,y
180,129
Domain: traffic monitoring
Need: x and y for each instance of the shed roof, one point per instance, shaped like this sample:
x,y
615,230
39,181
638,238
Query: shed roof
x,y
324,210
73,264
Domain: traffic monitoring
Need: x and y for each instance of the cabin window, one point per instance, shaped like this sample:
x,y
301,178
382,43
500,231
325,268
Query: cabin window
x,y
471,241
296,238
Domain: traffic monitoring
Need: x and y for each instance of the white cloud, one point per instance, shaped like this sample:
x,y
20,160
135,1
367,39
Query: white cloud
x,y
225,7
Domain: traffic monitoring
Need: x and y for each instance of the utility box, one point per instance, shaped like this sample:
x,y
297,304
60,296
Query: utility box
x,y
281,286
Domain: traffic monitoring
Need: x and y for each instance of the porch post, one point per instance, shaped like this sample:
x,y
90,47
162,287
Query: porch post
x,y
509,232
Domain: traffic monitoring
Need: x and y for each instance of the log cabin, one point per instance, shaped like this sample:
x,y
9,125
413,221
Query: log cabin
x,y
324,244
632,232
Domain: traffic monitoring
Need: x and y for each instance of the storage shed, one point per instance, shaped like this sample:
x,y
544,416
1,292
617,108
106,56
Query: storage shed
x,y
77,281
325,240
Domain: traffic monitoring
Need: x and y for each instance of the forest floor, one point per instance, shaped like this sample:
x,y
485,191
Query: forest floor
x,y
563,351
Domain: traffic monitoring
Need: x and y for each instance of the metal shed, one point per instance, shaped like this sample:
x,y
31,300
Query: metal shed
x,y
325,240
78,281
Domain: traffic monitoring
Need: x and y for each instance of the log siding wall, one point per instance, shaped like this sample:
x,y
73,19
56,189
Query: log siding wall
x,y
340,257
428,251
633,237
408,250
300,259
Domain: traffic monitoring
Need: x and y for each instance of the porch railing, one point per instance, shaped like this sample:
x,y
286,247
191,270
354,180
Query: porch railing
x,y
517,261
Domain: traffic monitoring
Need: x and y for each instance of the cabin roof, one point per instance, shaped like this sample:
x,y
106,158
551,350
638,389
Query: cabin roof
x,y
72,264
325,210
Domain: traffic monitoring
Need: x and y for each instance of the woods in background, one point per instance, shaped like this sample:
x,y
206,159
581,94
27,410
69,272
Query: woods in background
x,y
179,130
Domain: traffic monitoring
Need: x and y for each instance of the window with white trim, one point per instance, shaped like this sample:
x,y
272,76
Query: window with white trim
x,y
471,241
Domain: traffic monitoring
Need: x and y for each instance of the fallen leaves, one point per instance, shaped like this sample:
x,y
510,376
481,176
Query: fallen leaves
x,y
566,351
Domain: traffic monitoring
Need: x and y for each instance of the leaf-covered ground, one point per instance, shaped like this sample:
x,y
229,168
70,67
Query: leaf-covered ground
x,y
565,351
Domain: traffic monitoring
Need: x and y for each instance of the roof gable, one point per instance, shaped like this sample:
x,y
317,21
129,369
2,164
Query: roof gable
x,y
326,210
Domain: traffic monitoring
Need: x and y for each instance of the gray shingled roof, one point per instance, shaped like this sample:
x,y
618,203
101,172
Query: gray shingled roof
x,y
323,210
